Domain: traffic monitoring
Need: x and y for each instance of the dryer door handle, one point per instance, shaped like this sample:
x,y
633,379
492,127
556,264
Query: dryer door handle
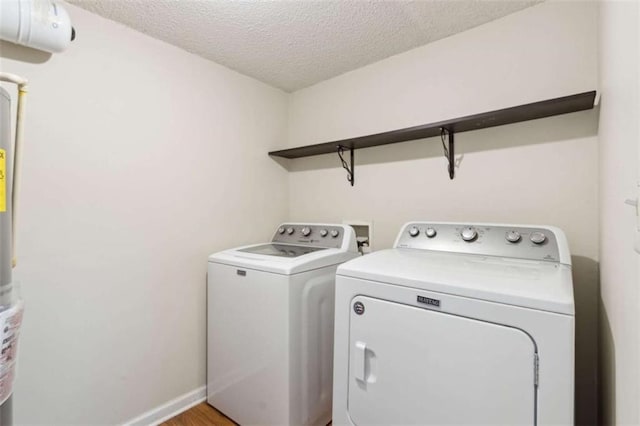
x,y
360,361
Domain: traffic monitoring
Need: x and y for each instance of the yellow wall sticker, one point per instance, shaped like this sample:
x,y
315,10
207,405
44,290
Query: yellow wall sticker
x,y
3,180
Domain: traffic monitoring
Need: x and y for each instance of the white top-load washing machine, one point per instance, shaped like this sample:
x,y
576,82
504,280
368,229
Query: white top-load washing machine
x,y
457,324
270,325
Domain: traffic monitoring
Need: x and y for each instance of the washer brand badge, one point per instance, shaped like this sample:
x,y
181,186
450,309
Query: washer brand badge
x,y
241,272
428,301
358,308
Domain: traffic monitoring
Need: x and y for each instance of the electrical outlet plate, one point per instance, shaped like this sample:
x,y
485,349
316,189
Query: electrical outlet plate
x,y
636,235
635,203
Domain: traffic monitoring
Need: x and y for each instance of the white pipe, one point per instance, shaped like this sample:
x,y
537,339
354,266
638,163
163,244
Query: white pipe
x,y
13,78
17,153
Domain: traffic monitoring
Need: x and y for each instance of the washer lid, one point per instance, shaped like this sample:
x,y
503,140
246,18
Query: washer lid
x,y
260,257
538,285
295,248
281,250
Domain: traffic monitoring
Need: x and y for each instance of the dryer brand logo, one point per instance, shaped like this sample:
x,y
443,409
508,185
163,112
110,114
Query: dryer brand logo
x,y
428,301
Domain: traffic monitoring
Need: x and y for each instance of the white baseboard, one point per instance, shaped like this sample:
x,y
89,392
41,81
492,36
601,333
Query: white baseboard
x,y
170,409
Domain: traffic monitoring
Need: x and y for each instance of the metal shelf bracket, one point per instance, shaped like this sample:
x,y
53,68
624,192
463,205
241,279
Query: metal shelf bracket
x,y
449,152
350,168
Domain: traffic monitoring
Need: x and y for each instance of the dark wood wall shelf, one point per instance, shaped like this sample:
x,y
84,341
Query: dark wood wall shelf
x,y
532,111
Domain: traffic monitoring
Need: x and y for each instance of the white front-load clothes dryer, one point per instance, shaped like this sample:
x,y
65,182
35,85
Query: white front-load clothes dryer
x,y
270,325
457,325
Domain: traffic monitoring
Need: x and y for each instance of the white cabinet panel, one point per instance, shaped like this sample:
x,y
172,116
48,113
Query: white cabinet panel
x,y
247,342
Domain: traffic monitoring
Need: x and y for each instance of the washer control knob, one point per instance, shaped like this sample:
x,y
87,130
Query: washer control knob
x,y
512,236
324,233
469,234
335,233
538,237
306,231
414,231
290,231
430,232
281,230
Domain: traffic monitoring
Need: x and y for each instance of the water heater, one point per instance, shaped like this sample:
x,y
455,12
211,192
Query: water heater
x,y
10,305
6,145
40,24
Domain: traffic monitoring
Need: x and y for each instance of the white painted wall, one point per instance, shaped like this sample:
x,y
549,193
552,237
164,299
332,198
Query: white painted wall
x,y
134,176
543,172
140,160
619,134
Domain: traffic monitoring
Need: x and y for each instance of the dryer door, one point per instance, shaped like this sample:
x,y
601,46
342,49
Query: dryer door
x,y
410,365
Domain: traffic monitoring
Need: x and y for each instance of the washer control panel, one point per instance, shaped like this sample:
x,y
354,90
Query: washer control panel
x,y
491,240
309,234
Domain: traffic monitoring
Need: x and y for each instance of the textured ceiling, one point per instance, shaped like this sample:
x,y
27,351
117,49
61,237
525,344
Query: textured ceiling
x,y
294,44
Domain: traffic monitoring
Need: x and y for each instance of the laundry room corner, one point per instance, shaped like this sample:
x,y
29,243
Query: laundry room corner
x,y
541,171
319,212
140,159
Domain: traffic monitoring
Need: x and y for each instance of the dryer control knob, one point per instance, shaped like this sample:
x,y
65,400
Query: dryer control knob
x,y
538,237
469,234
290,231
430,232
335,233
414,231
512,236
281,230
306,231
324,233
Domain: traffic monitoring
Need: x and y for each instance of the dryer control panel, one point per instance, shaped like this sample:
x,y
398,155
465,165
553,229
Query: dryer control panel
x,y
511,241
314,235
